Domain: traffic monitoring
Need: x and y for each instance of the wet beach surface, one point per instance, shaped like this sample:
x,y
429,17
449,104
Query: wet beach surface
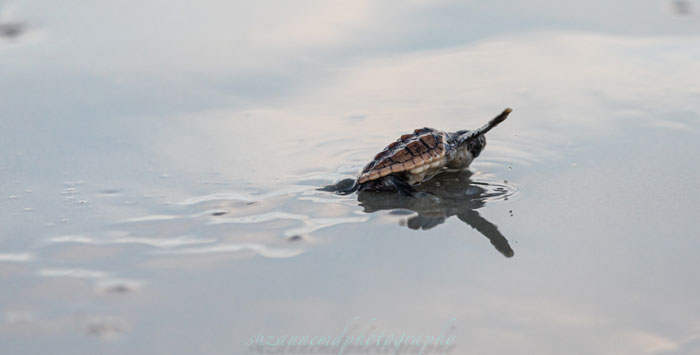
x,y
159,179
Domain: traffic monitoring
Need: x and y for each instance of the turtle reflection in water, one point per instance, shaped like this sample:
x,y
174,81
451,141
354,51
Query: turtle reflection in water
x,y
451,194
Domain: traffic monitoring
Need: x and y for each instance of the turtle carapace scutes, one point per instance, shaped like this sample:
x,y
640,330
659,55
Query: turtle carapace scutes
x,y
418,156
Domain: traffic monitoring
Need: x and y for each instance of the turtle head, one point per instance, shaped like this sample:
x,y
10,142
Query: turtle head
x,y
473,144
475,140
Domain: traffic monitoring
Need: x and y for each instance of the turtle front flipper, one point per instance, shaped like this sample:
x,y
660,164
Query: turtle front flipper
x,y
485,128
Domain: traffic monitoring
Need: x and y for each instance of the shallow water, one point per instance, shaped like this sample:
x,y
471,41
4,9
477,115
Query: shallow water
x,y
160,166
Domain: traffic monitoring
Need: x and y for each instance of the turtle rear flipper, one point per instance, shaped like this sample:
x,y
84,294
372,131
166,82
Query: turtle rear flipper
x,y
401,185
342,187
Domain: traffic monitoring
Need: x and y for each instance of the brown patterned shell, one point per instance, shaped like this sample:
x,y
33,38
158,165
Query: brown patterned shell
x,y
409,152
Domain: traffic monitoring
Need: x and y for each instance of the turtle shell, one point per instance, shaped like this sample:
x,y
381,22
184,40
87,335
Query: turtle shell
x,y
409,152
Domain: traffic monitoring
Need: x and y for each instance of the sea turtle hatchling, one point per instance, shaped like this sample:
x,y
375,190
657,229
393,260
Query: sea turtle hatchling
x,y
418,156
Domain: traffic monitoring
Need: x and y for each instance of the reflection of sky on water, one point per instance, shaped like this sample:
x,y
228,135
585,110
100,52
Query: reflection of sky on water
x,y
159,160
176,56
